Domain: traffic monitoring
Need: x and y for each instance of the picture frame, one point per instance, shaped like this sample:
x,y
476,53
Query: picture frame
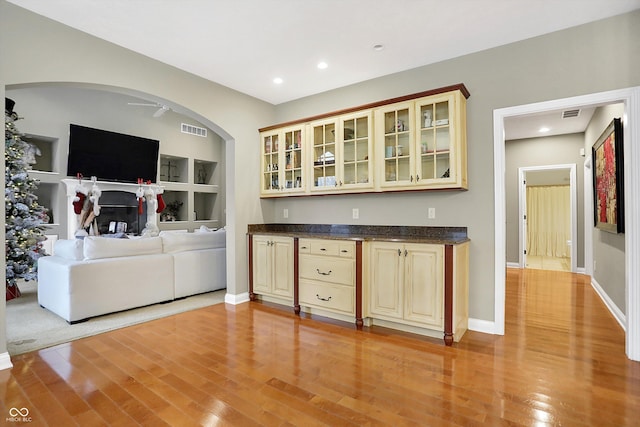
x,y
608,179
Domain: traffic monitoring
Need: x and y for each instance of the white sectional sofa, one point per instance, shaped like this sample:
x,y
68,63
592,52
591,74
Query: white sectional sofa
x,y
100,275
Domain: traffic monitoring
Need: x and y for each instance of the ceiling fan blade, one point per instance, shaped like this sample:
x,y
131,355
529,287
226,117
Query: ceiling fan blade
x,y
163,109
143,104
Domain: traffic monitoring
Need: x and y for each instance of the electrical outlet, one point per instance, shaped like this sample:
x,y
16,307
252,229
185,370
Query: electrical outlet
x,y
432,213
594,265
285,213
355,213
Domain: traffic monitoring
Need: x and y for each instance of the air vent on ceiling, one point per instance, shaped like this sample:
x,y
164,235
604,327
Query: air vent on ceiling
x,y
194,130
567,114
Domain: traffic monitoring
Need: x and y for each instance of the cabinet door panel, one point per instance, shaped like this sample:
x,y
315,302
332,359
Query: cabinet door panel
x,y
261,265
424,280
385,278
282,252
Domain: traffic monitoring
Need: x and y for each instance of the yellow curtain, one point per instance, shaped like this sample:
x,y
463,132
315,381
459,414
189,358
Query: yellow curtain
x,y
548,220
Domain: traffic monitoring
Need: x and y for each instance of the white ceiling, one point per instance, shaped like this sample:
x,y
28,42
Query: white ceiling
x,y
528,126
245,44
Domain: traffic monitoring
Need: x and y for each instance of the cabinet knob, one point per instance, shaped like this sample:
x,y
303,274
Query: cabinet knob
x,y
405,253
399,252
323,299
417,178
411,178
322,272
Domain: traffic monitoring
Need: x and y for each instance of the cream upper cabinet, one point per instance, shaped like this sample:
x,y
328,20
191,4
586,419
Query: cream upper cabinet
x,y
282,161
421,144
406,283
273,266
416,142
342,154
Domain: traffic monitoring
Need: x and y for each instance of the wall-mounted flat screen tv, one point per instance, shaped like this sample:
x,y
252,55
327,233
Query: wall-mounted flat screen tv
x,y
111,156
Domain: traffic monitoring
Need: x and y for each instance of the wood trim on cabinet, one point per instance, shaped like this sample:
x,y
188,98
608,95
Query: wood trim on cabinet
x,y
460,86
296,281
448,295
359,320
252,296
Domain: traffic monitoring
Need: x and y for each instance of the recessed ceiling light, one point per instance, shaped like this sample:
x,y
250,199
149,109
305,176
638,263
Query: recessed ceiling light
x,y
278,80
378,47
322,65
544,129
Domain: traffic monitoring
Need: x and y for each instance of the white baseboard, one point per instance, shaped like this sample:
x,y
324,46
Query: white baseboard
x,y
236,299
613,308
513,265
5,361
484,326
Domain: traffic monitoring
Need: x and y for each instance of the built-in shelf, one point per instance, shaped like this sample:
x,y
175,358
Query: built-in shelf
x,y
173,168
180,197
203,172
203,206
46,149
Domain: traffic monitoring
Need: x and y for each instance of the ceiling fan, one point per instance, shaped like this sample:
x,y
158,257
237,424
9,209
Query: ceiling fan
x,y
161,108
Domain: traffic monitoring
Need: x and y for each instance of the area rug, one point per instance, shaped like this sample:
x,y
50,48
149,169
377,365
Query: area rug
x,y
31,327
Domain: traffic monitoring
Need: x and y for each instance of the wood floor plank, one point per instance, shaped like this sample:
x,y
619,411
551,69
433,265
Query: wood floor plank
x,y
560,362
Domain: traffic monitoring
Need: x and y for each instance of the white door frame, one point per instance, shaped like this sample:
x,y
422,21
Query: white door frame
x,y
522,206
631,99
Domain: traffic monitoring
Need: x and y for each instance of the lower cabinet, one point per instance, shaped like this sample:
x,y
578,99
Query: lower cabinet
x,y
328,277
273,267
418,287
406,283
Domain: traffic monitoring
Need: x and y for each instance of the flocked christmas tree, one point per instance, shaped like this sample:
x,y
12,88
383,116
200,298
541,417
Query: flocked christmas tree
x,y
24,217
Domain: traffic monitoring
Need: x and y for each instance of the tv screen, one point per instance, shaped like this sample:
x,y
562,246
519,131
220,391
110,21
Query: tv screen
x,y
111,156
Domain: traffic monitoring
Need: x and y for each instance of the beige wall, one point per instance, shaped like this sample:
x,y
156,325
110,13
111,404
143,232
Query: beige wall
x,y
563,64
608,248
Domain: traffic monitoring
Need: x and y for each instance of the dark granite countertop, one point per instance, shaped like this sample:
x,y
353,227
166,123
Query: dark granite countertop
x,y
415,234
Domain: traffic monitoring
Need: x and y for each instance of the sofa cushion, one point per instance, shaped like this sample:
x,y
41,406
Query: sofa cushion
x,y
179,242
69,249
101,247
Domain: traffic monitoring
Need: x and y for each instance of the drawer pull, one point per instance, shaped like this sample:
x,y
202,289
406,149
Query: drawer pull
x,y
322,249
304,247
344,251
323,299
324,274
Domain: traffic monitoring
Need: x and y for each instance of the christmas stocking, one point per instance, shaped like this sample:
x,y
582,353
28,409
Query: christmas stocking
x,y
161,204
140,197
78,202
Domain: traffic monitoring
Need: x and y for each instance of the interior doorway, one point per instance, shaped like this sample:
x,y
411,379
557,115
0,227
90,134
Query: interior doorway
x,y
553,248
630,97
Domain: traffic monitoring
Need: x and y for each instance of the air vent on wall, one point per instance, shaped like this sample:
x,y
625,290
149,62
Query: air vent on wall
x,y
194,130
567,114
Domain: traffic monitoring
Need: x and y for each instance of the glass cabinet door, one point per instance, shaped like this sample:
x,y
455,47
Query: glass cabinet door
x,y
356,152
434,139
324,155
397,146
293,159
270,162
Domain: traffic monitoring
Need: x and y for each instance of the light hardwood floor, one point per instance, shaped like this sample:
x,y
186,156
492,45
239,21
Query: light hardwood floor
x,y
561,362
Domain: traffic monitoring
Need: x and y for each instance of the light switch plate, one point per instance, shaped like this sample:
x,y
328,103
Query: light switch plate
x,y
355,213
432,213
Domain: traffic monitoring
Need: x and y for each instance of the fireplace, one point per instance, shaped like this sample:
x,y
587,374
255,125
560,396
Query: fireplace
x,y
118,204
119,213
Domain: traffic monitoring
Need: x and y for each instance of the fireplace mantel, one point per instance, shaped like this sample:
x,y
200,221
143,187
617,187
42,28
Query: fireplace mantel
x,y
71,185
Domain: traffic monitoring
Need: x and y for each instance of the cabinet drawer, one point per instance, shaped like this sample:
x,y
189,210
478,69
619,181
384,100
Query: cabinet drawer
x,y
331,297
326,269
304,246
325,247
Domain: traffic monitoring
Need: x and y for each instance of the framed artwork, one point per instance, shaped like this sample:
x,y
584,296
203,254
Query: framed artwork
x,y
608,179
